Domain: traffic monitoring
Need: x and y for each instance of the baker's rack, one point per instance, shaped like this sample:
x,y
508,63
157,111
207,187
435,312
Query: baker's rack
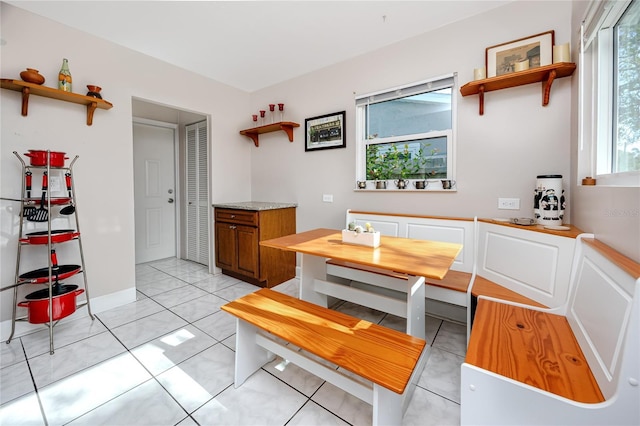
x,y
47,168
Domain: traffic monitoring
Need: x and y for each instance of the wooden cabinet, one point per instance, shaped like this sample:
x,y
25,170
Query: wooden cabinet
x,y
238,250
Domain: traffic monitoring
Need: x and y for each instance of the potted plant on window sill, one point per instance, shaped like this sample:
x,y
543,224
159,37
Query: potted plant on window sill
x,y
402,165
377,167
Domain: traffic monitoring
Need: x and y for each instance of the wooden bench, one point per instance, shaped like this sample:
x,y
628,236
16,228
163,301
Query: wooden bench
x,y
390,361
577,363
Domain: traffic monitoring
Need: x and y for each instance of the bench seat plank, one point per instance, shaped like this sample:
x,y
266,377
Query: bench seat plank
x,y
532,347
381,355
454,280
485,287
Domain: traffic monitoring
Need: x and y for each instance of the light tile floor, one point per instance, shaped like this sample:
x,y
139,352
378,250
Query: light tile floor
x,y
168,359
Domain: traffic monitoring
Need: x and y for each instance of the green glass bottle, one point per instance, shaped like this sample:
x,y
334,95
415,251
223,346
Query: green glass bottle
x,y
64,77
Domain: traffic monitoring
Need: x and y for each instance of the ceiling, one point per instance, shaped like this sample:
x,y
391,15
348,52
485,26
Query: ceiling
x,y
251,45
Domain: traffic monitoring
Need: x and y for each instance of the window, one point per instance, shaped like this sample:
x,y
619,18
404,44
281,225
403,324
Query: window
x,y
610,93
407,132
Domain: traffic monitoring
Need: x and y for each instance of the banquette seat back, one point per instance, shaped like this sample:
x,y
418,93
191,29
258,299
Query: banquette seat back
x,y
536,265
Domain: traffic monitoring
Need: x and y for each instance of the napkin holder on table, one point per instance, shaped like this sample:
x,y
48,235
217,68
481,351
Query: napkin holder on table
x,y
369,239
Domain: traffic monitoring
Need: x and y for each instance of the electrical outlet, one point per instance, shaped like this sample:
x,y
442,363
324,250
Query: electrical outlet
x,y
327,198
509,203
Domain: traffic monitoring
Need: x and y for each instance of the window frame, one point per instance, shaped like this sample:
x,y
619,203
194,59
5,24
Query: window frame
x,y
362,141
596,95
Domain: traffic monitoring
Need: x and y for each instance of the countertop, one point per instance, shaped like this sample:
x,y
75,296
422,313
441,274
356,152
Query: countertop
x,y
255,205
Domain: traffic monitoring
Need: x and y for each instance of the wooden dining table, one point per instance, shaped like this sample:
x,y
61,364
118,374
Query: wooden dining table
x,y
409,258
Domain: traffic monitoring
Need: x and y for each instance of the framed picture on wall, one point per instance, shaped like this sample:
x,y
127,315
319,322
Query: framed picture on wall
x,y
325,132
538,49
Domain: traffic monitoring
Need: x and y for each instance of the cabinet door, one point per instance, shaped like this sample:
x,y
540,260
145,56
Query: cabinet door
x,y
248,250
226,246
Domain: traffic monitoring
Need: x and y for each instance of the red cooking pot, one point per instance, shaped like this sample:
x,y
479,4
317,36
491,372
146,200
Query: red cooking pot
x,y
39,158
62,305
57,236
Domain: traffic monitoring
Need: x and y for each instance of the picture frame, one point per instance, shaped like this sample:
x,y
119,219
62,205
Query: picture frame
x,y
325,132
500,59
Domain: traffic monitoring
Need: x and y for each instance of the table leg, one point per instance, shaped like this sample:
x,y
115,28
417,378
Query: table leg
x,y
415,307
312,268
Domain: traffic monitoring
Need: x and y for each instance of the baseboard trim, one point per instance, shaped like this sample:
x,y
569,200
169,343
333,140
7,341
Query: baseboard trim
x,y
98,304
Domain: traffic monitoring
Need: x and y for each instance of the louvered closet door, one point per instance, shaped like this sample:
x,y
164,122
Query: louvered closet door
x,y
197,208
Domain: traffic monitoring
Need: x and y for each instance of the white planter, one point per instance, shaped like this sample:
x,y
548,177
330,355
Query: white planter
x,y
370,239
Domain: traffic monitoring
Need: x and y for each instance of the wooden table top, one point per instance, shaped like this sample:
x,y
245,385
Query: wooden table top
x,y
430,259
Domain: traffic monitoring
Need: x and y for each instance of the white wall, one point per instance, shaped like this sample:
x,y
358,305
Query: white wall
x,y
499,154
103,174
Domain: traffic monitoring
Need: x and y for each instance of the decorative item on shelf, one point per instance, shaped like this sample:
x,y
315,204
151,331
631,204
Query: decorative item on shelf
x,y
381,184
31,75
479,73
272,109
361,184
64,77
448,183
401,183
521,66
281,109
420,184
561,53
94,91
254,117
262,113
525,221
588,181
548,201
363,236
501,58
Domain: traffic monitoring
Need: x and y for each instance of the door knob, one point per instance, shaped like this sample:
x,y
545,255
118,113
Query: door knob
x,y
170,200
170,191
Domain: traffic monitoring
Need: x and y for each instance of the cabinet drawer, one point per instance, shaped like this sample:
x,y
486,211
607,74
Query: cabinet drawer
x,y
242,217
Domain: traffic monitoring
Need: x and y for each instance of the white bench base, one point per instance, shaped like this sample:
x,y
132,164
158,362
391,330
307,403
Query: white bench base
x,y
253,350
403,298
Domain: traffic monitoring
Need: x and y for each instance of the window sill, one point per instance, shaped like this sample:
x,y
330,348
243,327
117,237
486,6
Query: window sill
x,y
624,180
406,190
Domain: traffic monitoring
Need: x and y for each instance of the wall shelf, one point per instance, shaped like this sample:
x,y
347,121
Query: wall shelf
x,y
545,74
286,126
48,92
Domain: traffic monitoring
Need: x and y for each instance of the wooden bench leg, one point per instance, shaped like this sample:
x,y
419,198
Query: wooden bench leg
x,y
249,356
387,406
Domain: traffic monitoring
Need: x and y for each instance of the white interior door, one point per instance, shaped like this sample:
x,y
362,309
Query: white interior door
x,y
197,190
154,191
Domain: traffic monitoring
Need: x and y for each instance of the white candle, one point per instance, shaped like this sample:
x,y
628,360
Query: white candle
x,y
479,74
521,66
561,53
